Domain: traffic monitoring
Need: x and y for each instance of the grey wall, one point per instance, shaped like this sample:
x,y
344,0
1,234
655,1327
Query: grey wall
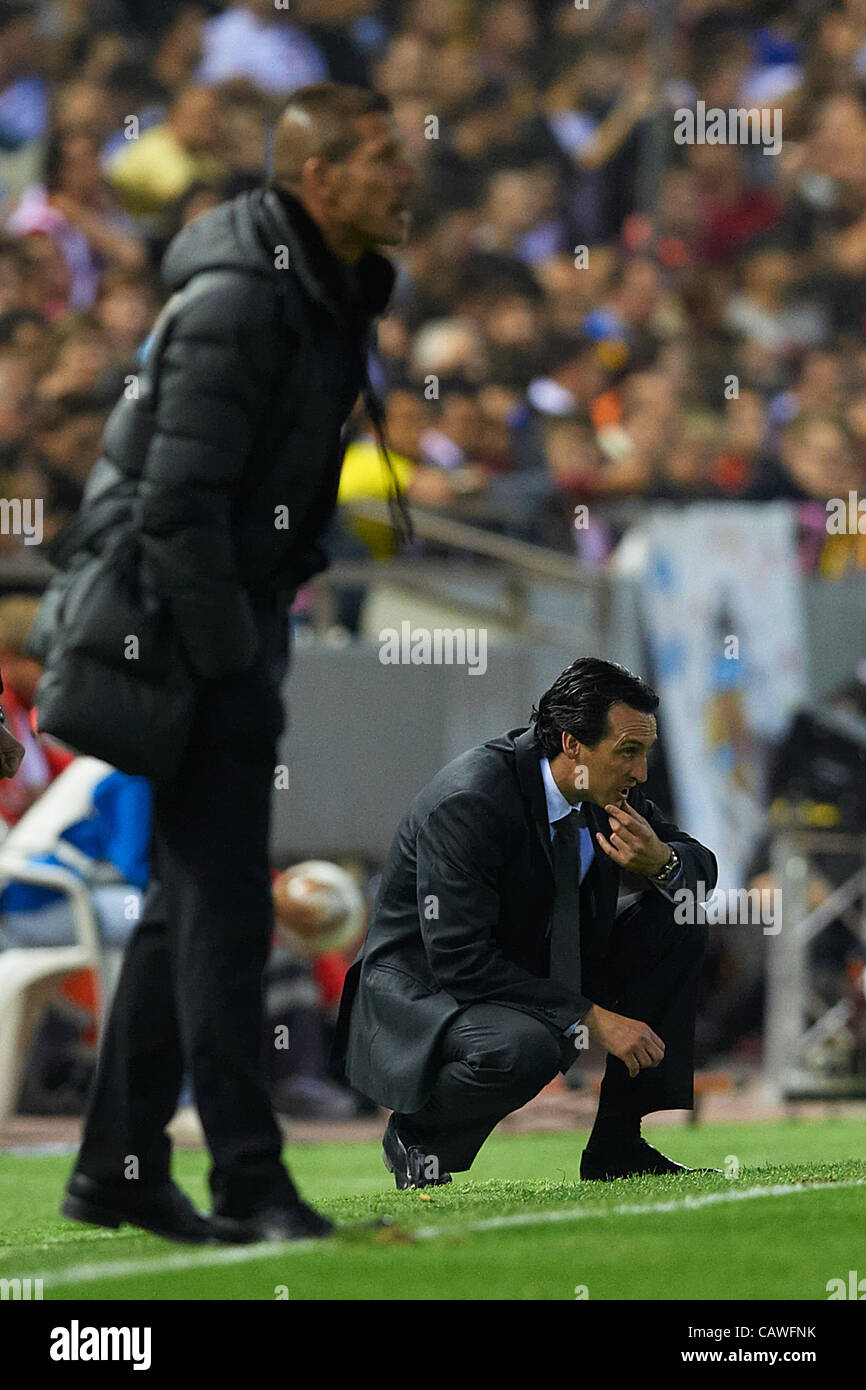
x,y
364,737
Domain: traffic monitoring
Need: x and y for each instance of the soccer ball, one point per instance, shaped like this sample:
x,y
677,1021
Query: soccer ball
x,y
318,907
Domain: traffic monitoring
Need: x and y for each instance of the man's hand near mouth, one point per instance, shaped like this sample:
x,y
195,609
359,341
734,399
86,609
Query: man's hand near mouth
x,y
633,843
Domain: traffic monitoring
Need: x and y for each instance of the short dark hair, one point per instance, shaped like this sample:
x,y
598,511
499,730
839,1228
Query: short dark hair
x,y
330,110
579,700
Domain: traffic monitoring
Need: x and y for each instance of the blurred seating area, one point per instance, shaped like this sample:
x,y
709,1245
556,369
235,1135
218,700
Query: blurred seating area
x,y
587,312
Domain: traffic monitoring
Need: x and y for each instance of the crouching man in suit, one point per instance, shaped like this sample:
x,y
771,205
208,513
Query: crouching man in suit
x,y
495,947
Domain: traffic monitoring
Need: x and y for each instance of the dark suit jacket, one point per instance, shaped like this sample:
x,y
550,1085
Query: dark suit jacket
x,y
461,916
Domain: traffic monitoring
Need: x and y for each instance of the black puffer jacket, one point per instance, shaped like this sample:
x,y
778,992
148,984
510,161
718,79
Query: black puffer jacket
x,y
257,362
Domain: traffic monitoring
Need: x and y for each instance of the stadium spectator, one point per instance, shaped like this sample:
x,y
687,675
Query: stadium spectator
x,y
125,309
95,822
16,406
253,40
162,163
24,91
43,760
73,207
529,128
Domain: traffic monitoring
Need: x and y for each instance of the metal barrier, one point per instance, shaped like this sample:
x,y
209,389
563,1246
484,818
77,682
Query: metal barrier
x,y
514,566
788,1037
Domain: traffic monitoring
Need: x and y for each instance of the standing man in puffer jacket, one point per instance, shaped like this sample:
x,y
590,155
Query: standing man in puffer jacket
x,y
276,294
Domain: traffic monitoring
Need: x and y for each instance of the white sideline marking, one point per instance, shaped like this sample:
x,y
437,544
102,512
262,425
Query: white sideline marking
x,y
126,1269
238,1254
687,1203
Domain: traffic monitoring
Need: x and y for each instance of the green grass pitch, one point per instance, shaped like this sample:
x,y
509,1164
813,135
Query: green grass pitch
x,y
519,1226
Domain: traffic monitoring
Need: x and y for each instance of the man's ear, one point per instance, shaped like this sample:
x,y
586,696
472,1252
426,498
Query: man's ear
x,y
314,176
570,746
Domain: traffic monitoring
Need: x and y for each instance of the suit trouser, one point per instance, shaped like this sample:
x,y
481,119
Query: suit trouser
x,y
495,1059
189,997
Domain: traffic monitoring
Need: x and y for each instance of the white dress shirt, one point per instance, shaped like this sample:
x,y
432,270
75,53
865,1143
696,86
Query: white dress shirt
x,y
558,806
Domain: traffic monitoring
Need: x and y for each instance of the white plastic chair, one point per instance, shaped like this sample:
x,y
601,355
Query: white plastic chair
x,y
28,974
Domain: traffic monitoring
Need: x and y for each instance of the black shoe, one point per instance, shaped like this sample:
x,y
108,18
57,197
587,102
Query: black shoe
x,y
164,1210
411,1166
632,1161
297,1222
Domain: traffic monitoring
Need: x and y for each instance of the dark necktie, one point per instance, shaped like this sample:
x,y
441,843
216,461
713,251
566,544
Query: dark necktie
x,y
565,916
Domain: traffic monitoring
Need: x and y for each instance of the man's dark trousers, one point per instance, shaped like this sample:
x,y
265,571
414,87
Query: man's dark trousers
x,y
495,1059
189,998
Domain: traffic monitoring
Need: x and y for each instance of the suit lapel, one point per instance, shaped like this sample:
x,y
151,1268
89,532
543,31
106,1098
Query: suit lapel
x,y
527,754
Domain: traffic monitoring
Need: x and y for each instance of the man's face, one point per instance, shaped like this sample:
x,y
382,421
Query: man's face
x,y
371,188
197,121
617,762
81,174
407,419
16,401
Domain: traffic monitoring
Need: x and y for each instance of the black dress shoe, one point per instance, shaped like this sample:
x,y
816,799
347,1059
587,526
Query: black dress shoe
x,y
297,1222
163,1210
411,1166
631,1161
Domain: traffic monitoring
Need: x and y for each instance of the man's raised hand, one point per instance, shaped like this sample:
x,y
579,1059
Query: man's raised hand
x,y
633,843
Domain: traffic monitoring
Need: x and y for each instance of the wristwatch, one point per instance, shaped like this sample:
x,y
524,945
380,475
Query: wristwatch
x,y
667,871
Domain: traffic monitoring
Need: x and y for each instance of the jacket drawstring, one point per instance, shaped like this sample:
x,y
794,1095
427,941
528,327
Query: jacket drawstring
x,y
398,506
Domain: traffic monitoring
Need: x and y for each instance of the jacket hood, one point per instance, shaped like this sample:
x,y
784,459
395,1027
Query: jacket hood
x,y
226,237
245,234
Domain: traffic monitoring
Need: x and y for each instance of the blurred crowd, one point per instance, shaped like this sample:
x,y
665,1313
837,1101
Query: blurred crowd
x,y
587,312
